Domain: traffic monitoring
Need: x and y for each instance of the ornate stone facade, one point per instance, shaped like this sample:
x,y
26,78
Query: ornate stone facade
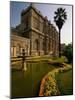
x,y
37,33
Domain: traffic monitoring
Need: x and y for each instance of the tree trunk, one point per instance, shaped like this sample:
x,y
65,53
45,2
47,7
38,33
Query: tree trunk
x,y
59,44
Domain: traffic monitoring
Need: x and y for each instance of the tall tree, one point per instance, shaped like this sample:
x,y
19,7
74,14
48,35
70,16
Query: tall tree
x,y
68,52
59,19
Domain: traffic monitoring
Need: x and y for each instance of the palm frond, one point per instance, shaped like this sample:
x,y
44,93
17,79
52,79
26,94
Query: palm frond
x,y
60,17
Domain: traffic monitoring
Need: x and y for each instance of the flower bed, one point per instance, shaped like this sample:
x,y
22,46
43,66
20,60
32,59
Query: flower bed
x,y
49,85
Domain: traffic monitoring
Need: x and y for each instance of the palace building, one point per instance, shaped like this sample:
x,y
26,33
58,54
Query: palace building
x,y
35,34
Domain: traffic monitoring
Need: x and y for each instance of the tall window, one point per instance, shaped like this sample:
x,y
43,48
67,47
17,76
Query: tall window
x,y
35,23
37,44
43,44
13,51
26,49
18,50
41,26
26,23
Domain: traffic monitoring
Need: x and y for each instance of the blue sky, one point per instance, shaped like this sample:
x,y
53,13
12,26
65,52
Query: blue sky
x,y
46,10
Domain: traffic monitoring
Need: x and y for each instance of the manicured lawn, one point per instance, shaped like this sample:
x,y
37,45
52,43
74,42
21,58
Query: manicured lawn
x,y
65,82
27,83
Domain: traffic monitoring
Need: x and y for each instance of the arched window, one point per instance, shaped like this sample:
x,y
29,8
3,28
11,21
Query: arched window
x,y
18,49
26,49
37,44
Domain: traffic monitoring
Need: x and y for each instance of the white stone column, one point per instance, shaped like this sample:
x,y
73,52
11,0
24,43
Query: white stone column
x,y
14,51
11,51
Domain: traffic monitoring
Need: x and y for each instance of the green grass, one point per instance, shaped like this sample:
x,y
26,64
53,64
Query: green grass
x,y
65,82
60,60
27,84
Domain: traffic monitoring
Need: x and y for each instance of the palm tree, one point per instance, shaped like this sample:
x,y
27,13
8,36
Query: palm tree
x,y
59,19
